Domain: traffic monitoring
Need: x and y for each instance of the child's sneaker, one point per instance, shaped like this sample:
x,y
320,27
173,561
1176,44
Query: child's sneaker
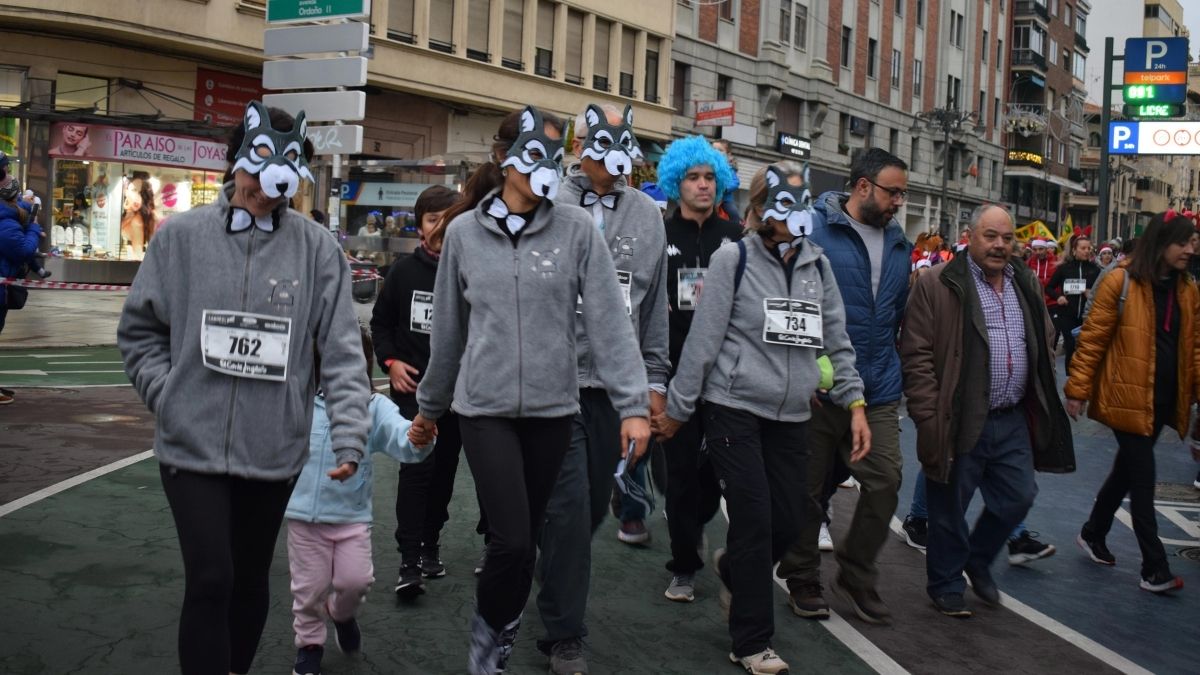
x,y
347,637
308,660
1161,582
766,662
410,585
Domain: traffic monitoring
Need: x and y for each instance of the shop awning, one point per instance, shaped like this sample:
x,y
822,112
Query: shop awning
x,y
1030,172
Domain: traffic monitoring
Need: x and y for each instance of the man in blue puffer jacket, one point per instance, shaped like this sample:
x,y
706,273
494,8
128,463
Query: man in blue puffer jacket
x,y
869,256
18,242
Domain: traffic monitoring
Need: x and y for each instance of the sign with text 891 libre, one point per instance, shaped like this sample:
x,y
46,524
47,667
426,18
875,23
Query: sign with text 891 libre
x,y
293,11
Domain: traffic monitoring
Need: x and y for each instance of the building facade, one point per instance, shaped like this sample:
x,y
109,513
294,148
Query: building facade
x,y
442,73
843,75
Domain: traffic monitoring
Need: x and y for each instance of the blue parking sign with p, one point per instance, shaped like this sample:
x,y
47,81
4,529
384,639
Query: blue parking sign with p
x,y
1123,138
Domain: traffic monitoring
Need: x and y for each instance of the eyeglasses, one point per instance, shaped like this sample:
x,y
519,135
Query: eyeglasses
x,y
894,193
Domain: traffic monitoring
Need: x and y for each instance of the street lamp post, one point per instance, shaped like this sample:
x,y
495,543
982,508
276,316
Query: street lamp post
x,y
950,121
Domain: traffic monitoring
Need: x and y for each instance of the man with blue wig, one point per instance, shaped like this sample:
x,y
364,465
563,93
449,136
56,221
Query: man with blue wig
x,y
695,175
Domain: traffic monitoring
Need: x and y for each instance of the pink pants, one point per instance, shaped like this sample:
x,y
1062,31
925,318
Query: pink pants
x,y
331,573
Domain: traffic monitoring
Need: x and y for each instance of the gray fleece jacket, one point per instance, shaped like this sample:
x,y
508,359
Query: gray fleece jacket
x,y
638,244
726,360
504,319
210,422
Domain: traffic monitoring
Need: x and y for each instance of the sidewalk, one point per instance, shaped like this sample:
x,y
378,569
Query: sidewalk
x,y
79,319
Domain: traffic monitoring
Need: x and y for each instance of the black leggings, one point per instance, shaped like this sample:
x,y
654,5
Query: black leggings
x,y
424,490
227,529
515,463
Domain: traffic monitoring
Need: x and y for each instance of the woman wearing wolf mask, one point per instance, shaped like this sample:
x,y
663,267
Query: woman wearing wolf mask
x,y
515,266
218,335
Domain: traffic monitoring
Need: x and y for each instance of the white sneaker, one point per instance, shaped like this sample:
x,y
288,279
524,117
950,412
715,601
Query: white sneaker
x,y
849,483
766,662
824,540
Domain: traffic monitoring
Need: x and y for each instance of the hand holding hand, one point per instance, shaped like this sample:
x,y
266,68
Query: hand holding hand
x,y
422,432
1062,300
664,427
658,404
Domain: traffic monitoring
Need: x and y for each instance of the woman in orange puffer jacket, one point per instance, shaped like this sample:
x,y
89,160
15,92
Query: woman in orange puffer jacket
x,y
1137,362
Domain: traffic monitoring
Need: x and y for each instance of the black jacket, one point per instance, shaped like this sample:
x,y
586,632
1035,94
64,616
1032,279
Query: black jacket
x,y
690,245
1072,269
396,332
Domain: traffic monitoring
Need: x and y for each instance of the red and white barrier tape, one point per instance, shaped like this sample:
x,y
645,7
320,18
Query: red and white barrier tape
x,y
365,275
63,285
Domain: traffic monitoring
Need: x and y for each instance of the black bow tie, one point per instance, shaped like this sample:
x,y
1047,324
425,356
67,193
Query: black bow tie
x,y
589,198
240,220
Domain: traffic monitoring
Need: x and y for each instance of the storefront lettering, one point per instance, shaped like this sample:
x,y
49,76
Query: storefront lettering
x,y
137,141
210,151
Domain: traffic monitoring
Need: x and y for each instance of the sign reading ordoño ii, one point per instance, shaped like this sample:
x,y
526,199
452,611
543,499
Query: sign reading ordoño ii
x,y
96,142
281,11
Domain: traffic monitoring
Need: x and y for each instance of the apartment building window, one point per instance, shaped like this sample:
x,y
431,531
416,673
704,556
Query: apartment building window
x,y
574,63
1053,53
1067,15
479,14
543,60
843,133
953,92
996,111
801,28
917,68
982,107
847,46
628,49
1066,61
514,19
441,27
787,115
1079,66
896,64
400,21
1031,37
1053,7
1081,23
999,52
899,12
956,29
600,59
785,21
726,8
723,84
985,49
920,12
679,83
651,85
872,57
913,153
979,170
997,176
894,141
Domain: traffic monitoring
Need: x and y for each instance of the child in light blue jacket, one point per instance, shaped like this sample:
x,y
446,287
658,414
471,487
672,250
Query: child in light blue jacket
x,y
329,529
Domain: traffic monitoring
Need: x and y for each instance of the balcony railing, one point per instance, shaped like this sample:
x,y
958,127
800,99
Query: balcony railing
x,y
1081,42
1024,58
1030,8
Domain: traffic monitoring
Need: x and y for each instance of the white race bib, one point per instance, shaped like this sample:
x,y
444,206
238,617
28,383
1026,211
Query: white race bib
x,y
688,286
796,323
420,313
1074,286
247,345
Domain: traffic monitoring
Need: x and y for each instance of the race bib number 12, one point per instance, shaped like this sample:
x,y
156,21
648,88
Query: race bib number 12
x,y
420,316
247,345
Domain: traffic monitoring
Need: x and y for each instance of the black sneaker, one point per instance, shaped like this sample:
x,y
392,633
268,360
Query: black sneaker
x,y
431,563
505,641
409,585
308,660
1161,582
566,658
916,532
985,588
866,602
807,600
952,604
1026,548
1095,549
347,637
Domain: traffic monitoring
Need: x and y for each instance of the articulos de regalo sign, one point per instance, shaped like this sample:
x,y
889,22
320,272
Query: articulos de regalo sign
x,y
117,144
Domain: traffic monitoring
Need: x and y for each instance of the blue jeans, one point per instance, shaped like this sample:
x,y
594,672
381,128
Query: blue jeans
x,y
1001,467
918,509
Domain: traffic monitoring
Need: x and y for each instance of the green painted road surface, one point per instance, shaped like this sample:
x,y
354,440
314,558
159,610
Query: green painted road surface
x,y
62,367
93,582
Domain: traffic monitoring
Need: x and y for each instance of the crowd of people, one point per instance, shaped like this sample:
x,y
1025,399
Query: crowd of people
x,y
561,328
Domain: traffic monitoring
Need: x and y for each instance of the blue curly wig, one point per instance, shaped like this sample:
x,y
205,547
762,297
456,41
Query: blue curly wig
x,y
686,153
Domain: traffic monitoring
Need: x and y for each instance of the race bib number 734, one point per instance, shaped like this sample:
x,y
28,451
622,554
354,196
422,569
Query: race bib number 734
x,y
796,323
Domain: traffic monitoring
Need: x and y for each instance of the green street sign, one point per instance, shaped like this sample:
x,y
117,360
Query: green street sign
x,y
292,11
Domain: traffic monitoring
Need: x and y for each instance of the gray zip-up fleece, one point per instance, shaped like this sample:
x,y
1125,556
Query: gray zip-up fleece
x,y
637,241
504,319
210,422
725,359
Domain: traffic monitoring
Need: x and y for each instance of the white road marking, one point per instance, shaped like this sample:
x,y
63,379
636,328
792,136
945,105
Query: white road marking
x,y
1108,656
79,363
40,373
69,483
28,355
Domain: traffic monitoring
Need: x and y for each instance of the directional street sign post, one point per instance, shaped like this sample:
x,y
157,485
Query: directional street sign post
x,y
287,11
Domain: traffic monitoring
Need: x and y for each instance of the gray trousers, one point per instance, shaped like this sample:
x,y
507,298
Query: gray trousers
x,y
577,506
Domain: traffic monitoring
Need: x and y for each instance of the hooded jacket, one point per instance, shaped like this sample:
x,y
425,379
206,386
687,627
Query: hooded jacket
x,y
504,319
397,320
726,359
18,243
1085,270
317,498
637,242
872,318
1114,361
210,422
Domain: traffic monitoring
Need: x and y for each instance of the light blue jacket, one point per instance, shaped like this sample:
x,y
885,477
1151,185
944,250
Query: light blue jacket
x,y
321,499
